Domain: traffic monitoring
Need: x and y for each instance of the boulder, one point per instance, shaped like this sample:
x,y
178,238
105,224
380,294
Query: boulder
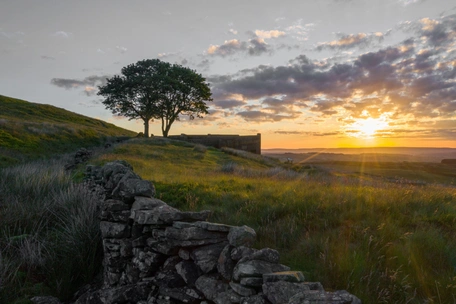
x,y
256,268
241,236
324,297
206,257
280,292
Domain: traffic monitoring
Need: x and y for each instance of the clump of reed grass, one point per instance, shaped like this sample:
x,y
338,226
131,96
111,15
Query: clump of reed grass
x,y
49,233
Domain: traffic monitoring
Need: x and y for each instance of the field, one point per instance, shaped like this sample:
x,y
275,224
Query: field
x,y
30,130
343,225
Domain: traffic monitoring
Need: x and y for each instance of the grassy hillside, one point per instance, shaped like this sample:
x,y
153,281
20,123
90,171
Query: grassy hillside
x,y
30,130
384,242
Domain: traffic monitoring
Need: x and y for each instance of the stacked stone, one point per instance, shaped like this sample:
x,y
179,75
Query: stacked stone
x,y
154,253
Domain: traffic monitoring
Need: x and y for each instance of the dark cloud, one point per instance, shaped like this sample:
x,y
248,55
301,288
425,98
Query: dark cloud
x,y
90,81
408,79
229,103
253,47
263,116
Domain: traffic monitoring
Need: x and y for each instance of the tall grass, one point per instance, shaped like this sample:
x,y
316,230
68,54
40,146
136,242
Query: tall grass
x,y
49,232
384,242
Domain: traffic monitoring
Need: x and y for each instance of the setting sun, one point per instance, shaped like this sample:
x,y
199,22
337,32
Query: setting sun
x,y
366,128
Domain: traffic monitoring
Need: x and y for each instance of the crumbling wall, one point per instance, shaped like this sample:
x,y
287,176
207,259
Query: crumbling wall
x,y
249,143
154,253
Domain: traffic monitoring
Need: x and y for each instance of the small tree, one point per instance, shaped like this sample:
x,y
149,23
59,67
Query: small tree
x,y
153,89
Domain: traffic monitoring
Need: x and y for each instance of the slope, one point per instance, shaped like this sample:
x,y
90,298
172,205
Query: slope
x,y
30,130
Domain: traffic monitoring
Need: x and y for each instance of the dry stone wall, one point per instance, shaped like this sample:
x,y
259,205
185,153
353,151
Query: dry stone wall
x,y
154,253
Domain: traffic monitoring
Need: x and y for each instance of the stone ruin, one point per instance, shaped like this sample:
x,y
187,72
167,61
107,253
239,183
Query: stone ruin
x,y
154,253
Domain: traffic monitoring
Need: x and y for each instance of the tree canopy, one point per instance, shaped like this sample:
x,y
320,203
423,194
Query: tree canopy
x,y
153,89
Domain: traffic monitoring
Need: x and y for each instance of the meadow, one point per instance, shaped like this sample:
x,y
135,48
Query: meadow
x,y
383,241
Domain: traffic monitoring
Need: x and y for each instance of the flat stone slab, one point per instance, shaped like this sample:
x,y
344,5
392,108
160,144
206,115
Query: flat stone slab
x,y
146,203
287,276
256,268
204,225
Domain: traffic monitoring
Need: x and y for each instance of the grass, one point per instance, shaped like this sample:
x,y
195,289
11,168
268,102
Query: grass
x,y
384,242
49,232
30,130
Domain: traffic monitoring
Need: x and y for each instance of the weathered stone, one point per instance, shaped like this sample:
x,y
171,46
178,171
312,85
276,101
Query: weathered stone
x,y
146,203
256,268
113,172
158,234
114,230
131,185
227,297
192,233
256,299
162,247
288,276
112,278
171,262
225,264
115,216
210,286
280,292
125,294
45,300
183,294
241,290
324,297
265,254
314,286
204,225
139,242
113,205
189,272
252,282
169,279
184,254
241,236
206,257
239,252
193,243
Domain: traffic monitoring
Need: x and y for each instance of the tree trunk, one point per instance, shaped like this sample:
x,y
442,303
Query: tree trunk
x,y
166,129
146,128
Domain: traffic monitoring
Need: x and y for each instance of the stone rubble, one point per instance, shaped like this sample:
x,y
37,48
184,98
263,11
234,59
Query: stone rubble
x,y
154,253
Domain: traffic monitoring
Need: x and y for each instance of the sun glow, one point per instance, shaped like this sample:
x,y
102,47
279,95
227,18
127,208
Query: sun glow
x,y
367,128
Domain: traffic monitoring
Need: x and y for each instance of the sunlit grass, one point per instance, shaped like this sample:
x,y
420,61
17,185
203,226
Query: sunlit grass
x,y
384,242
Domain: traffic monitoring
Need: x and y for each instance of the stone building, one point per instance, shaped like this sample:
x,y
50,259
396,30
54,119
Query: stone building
x,y
250,143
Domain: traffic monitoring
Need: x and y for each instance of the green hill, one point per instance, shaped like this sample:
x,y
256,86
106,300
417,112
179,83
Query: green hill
x,y
31,130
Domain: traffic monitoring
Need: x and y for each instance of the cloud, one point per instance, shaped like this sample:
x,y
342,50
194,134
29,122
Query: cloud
x,y
168,55
121,49
345,42
269,34
407,81
299,31
409,2
229,103
233,31
47,57
62,34
254,47
11,35
88,84
439,32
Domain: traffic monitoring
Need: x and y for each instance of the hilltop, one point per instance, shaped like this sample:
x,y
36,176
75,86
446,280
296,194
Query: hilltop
x,y
30,130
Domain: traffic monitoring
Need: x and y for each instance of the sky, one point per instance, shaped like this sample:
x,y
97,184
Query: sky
x,y
304,74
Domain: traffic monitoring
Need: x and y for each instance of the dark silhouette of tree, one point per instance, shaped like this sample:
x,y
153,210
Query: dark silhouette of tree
x,y
153,89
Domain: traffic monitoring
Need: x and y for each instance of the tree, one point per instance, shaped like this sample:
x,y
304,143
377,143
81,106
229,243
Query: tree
x,y
153,89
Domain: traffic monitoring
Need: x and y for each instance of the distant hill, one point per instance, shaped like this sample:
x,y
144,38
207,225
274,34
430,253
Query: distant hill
x,y
31,130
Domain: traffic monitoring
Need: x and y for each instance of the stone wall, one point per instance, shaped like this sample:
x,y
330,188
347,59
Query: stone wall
x,y
250,143
154,253
449,161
